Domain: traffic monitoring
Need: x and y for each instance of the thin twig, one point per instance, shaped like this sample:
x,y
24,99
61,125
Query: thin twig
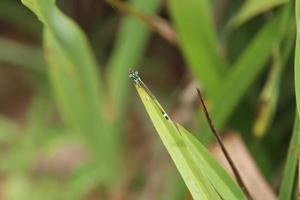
x,y
224,150
156,23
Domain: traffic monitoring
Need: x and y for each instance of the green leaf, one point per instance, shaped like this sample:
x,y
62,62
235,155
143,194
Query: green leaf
x,y
196,181
74,76
252,8
289,176
270,93
198,42
251,62
219,178
269,96
205,178
297,57
129,47
72,71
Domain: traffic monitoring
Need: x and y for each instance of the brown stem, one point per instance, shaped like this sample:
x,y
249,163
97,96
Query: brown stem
x,y
156,23
224,150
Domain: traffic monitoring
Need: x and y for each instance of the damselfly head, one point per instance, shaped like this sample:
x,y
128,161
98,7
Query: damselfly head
x,y
134,75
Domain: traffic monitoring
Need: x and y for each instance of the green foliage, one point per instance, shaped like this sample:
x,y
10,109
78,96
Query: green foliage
x,y
74,76
78,90
228,49
270,93
251,62
252,8
129,47
297,57
205,178
197,38
288,187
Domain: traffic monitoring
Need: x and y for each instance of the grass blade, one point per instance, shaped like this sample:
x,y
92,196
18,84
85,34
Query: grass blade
x,y
252,8
270,93
198,41
251,62
74,76
195,180
289,177
201,173
219,178
268,98
129,47
297,57
73,69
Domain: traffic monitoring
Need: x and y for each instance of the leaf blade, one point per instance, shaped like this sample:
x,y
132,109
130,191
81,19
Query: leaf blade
x,y
76,84
198,40
289,176
297,57
223,183
252,8
197,171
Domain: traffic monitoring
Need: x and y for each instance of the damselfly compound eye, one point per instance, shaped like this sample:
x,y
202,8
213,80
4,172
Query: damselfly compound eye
x,y
134,75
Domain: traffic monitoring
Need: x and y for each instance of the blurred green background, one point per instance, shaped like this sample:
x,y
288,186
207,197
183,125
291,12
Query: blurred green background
x,y
71,125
